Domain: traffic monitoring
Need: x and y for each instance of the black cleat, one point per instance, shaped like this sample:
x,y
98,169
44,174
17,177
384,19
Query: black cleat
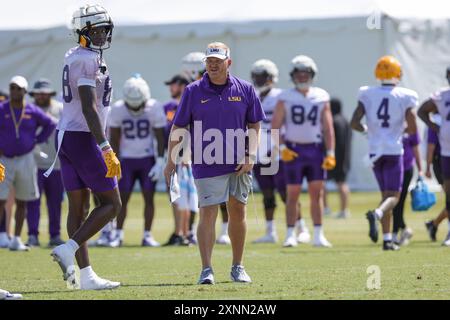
x,y
373,228
432,230
176,240
389,245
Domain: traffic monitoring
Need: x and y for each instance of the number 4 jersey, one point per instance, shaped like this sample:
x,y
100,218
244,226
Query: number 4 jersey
x,y
385,108
137,137
303,114
83,67
441,99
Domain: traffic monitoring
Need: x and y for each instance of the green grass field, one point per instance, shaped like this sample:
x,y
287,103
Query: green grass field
x,y
418,271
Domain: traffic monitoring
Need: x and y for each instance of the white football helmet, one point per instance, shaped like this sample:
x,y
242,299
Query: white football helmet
x,y
262,71
193,65
303,63
87,17
136,92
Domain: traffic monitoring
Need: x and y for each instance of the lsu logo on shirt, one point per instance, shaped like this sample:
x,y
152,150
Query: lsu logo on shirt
x,y
234,99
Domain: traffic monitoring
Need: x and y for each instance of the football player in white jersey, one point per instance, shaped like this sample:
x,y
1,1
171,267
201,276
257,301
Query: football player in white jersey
x,y
306,115
88,163
387,107
439,102
134,123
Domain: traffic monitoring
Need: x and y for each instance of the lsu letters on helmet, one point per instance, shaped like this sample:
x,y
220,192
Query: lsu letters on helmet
x,y
88,17
303,63
136,92
388,70
264,74
193,65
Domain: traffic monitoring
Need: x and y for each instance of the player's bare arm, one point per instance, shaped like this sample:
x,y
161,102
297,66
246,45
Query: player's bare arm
x,y
430,153
410,118
328,129
424,112
159,135
357,116
114,139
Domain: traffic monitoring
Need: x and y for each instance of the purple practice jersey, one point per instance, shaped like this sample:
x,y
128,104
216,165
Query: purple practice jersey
x,y
233,108
409,142
12,144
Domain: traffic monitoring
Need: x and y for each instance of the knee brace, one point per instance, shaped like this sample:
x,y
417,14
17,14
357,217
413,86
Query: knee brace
x,y
269,203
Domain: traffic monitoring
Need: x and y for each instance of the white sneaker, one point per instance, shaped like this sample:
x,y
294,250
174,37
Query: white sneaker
x,y
290,242
16,244
4,240
96,283
405,237
65,258
5,295
223,239
322,242
150,242
116,242
446,242
267,238
304,237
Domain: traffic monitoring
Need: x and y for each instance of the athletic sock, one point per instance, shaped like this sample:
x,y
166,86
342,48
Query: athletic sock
x,y
301,225
147,234
290,232
72,245
224,228
379,213
270,226
387,236
317,232
394,237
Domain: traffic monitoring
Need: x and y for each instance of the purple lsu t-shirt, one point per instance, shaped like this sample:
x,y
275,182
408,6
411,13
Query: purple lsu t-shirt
x,y
235,107
409,142
169,109
434,139
33,118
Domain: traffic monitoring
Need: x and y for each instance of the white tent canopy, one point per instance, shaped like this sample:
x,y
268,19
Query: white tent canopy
x,y
344,37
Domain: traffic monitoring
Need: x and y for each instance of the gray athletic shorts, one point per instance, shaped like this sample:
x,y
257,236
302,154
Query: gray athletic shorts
x,y
21,173
216,190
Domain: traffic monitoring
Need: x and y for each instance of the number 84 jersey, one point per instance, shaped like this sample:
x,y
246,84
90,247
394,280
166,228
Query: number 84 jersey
x,y
385,108
303,114
83,67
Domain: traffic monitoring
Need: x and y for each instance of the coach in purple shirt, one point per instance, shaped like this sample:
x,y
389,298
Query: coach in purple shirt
x,y
19,123
219,110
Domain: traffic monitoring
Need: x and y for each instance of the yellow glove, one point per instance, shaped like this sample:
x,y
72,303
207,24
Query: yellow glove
x,y
112,163
2,172
287,154
329,162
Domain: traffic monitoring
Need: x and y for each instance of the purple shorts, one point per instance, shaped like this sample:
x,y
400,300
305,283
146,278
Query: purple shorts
x,y
275,181
388,170
136,169
82,164
445,167
308,163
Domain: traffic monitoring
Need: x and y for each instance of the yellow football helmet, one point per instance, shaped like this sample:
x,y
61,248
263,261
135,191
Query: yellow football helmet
x,y
388,68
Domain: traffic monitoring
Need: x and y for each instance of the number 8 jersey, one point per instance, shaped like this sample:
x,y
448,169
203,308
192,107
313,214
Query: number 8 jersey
x,y
83,67
385,108
303,114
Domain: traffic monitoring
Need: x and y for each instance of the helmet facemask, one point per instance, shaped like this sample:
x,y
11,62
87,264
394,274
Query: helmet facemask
x,y
262,81
302,85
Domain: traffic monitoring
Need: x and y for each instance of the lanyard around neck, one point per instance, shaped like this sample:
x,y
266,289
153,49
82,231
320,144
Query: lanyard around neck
x,y
17,123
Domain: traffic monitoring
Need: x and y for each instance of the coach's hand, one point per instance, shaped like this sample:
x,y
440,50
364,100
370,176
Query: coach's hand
x,y
168,170
2,172
245,167
157,169
329,162
112,163
287,154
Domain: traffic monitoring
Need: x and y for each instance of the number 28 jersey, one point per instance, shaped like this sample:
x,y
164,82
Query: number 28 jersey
x,y
83,67
137,136
303,114
385,108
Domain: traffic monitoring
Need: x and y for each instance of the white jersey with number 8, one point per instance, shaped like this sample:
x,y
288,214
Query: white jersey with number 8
x,y
83,67
441,99
385,109
303,114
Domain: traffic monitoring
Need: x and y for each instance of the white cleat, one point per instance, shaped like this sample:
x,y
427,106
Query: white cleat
x,y
5,295
4,240
96,283
150,242
322,242
304,237
65,258
103,240
115,243
405,237
16,244
223,239
290,242
267,238
446,242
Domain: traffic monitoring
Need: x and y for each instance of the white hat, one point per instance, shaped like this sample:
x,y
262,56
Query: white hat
x,y
220,53
19,81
